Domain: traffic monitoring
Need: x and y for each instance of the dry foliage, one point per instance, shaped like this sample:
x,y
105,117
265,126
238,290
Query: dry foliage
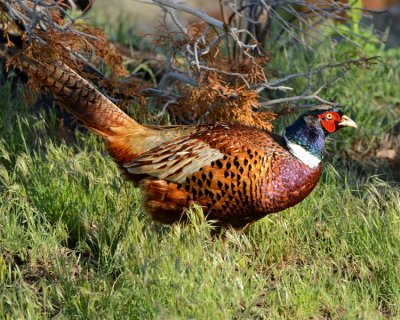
x,y
83,47
223,91
214,100
96,53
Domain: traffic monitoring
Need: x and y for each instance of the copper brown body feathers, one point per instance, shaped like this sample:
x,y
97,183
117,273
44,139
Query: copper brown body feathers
x,y
254,176
237,173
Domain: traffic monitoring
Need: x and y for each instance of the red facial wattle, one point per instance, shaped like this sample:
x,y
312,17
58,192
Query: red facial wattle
x,y
329,125
329,121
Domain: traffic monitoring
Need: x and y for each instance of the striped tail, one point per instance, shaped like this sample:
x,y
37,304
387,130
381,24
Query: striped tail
x,y
79,97
125,137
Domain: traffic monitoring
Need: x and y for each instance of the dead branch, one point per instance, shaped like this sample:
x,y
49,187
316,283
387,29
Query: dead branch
x,y
225,28
175,75
177,5
313,96
361,62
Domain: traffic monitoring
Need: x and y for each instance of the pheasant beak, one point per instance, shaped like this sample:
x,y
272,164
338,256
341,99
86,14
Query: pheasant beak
x,y
347,122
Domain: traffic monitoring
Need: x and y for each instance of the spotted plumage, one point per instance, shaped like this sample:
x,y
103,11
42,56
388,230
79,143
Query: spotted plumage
x,y
238,174
255,174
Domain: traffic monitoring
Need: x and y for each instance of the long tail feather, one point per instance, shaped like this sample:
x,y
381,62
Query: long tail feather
x,y
79,97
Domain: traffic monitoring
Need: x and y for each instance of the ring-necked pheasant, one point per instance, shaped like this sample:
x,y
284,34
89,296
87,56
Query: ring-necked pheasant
x,y
239,174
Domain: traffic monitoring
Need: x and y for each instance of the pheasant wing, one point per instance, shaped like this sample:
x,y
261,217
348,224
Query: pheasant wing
x,y
175,160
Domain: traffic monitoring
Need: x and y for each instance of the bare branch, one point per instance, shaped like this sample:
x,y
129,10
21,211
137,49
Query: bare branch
x,y
165,108
261,86
177,5
175,75
313,96
242,76
188,9
358,62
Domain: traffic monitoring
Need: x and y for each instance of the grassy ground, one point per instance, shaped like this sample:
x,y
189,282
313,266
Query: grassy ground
x,y
75,244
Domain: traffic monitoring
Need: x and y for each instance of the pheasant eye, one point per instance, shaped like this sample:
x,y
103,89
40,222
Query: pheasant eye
x,y
329,116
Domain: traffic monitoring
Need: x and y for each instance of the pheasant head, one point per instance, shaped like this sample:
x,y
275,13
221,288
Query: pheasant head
x,y
305,138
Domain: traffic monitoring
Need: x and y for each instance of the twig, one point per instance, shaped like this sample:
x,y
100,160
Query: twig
x,y
175,75
165,107
242,76
358,62
258,87
185,8
175,4
302,97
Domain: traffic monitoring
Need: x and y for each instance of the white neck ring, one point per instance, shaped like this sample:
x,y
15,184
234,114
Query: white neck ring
x,y
302,154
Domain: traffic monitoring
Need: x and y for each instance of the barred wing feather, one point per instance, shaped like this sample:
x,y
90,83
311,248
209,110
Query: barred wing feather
x,y
175,160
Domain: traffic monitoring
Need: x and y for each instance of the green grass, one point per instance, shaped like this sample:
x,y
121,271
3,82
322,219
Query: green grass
x,y
74,242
